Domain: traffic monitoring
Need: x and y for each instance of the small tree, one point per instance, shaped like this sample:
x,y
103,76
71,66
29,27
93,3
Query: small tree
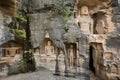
x,y
27,55
21,23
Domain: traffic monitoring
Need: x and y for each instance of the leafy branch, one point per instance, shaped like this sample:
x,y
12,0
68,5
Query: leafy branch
x,y
64,10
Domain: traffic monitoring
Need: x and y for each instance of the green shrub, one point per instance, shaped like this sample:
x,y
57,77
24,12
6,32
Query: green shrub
x,y
21,65
20,33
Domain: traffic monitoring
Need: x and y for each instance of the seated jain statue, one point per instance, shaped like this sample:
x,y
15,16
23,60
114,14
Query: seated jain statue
x,y
49,49
85,21
71,56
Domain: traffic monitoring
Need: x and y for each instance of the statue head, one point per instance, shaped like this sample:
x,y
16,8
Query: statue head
x,y
49,43
71,46
46,31
36,50
84,10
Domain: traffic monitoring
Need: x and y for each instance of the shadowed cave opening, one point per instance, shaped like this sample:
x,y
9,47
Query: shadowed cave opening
x,y
91,59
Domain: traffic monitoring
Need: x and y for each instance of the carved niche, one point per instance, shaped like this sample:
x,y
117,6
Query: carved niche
x,y
72,54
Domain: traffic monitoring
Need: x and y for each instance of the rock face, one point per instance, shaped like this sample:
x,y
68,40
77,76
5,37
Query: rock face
x,y
5,36
93,32
41,75
4,31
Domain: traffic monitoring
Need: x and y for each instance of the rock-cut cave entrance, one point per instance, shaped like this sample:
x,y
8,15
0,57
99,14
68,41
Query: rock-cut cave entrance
x,y
91,59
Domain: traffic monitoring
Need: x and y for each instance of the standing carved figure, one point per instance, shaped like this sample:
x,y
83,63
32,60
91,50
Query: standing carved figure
x,y
71,55
85,22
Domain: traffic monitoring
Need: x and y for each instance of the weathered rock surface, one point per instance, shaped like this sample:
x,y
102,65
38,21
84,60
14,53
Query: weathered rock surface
x,y
5,35
40,75
13,69
97,51
4,31
101,27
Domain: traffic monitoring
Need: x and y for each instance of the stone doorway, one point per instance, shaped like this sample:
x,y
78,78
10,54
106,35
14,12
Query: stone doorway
x,y
91,59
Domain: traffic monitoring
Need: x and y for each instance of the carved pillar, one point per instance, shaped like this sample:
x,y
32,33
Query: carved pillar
x,y
83,57
57,71
96,65
77,57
